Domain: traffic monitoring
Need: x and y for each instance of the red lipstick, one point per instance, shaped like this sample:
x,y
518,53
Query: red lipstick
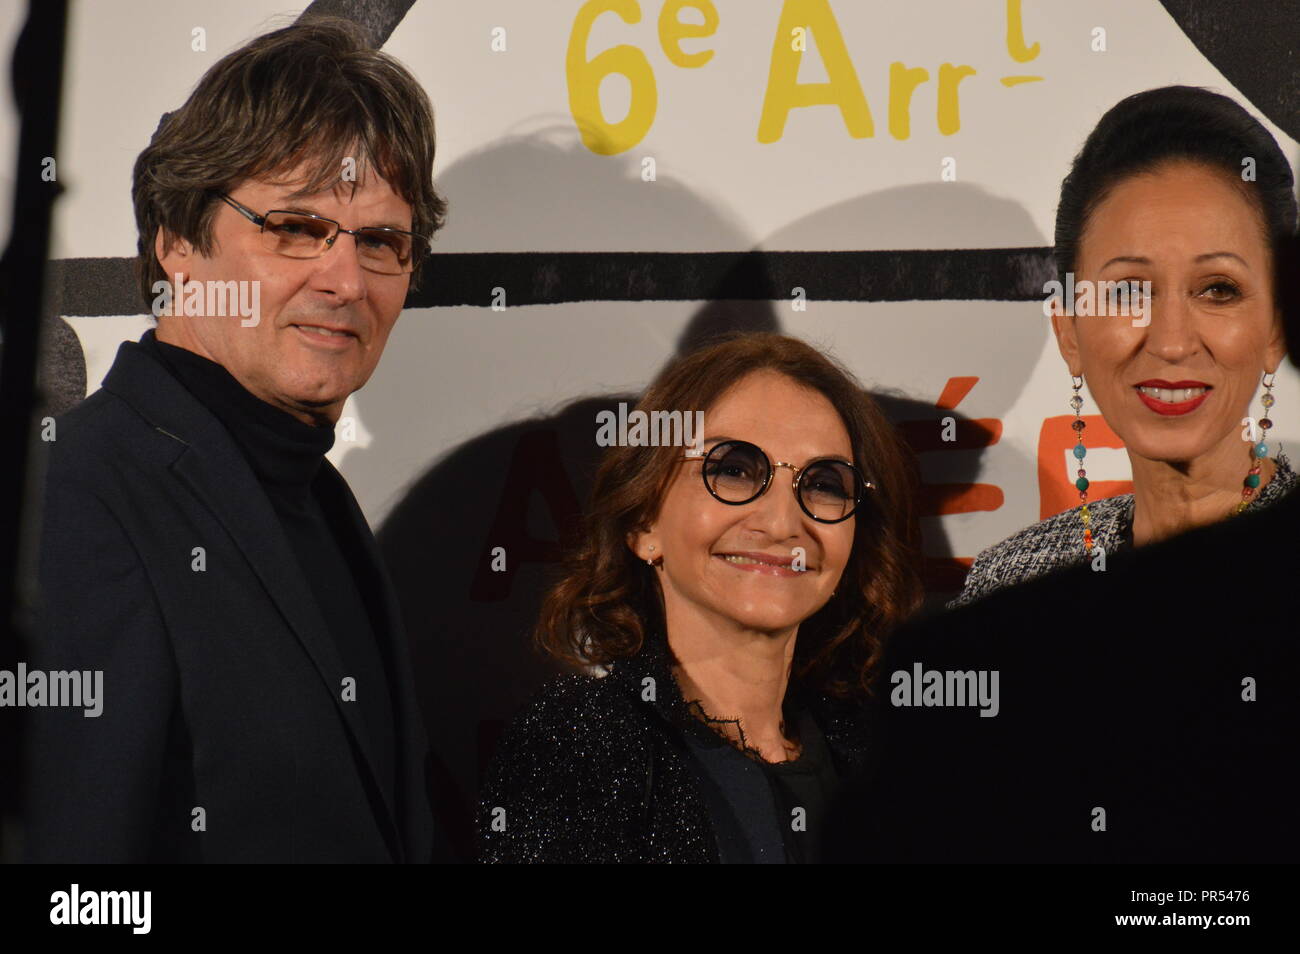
x,y
1167,403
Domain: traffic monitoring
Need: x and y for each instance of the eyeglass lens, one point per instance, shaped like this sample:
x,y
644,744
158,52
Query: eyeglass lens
x,y
736,472
302,236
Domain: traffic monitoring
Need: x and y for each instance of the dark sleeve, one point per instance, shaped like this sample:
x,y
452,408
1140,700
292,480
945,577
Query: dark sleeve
x,y
566,783
92,783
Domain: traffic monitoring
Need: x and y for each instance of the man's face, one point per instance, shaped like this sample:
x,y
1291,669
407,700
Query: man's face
x,y
285,358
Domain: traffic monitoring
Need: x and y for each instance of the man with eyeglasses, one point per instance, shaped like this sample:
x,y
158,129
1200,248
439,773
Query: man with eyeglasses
x,y
198,549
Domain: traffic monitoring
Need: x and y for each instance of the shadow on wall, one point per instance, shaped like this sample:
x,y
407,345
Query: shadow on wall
x,y
520,487
987,349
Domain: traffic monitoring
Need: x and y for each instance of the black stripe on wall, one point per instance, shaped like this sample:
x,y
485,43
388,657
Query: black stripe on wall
x,y
106,286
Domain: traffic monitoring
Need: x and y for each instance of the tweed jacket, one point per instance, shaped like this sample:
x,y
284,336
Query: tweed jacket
x,y
594,769
1057,542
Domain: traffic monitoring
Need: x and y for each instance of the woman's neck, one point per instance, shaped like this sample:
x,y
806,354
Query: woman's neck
x,y
1170,498
741,681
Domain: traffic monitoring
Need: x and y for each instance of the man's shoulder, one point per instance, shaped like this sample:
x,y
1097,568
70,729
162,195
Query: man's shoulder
x,y
99,414
103,433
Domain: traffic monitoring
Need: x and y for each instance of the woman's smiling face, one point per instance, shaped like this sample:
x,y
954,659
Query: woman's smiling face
x,y
1177,388
712,572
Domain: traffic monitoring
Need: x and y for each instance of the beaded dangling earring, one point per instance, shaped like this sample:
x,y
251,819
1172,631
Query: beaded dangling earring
x,y
1260,450
1080,452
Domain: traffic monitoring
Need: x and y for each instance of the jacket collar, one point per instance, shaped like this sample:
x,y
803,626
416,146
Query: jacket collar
x,y
1112,517
844,724
216,472
648,677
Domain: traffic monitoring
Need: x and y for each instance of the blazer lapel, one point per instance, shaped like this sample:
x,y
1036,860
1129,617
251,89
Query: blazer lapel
x,y
214,469
390,628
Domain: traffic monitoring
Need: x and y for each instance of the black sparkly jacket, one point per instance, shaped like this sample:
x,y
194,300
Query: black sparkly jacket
x,y
594,770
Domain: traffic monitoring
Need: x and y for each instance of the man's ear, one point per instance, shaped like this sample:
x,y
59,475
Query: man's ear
x,y
1067,338
174,254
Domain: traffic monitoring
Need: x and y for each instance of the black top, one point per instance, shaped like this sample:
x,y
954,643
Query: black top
x,y
286,455
805,790
766,812
619,769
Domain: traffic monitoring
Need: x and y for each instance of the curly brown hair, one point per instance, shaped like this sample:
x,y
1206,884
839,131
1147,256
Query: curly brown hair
x,y
607,600
311,93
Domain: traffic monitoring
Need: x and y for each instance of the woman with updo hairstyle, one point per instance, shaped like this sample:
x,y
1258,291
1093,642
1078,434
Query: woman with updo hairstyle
x,y
724,615
1182,188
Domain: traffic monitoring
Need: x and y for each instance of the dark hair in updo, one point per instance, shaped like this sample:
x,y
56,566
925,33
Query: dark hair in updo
x,y
1167,124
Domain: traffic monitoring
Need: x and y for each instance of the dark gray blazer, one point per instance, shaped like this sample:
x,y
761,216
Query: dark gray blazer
x,y
222,687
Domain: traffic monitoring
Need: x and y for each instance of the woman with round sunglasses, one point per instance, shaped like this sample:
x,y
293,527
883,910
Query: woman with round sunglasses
x,y
724,613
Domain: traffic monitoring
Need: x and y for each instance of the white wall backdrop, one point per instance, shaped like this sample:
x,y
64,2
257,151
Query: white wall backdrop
x,y
454,433
519,178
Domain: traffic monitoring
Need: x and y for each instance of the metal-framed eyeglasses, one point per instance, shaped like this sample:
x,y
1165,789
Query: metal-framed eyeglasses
x,y
829,490
380,249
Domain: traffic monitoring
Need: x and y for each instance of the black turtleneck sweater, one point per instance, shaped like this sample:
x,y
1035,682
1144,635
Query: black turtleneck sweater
x,y
286,456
